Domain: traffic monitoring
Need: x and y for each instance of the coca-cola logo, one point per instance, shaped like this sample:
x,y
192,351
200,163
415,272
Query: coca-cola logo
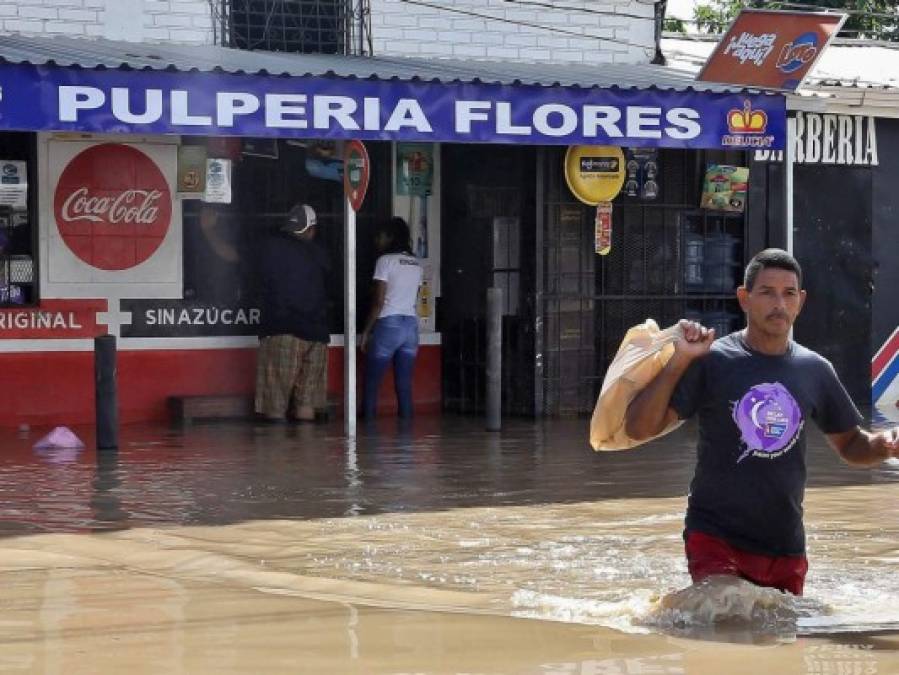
x,y
113,206
131,206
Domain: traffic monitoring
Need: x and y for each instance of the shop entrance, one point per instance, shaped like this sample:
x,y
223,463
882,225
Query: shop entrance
x,y
669,259
488,239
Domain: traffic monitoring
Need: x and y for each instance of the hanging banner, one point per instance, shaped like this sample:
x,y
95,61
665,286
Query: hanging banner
x,y
603,228
44,98
771,49
594,173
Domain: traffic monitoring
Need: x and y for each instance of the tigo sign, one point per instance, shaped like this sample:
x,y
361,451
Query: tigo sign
x,y
771,49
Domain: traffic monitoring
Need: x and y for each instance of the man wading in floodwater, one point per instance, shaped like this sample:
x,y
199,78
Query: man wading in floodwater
x,y
754,390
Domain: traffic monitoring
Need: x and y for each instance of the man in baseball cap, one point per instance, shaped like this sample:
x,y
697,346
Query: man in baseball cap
x,y
291,373
300,218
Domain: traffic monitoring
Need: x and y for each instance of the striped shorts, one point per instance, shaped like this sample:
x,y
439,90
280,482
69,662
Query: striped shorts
x,y
290,374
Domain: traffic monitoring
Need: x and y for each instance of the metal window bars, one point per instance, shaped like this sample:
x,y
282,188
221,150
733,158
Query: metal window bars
x,y
301,26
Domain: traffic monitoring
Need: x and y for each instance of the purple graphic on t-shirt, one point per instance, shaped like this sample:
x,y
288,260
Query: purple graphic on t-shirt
x,y
769,419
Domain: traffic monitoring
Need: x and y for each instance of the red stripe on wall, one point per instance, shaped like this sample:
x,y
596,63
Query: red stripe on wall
x,y
884,355
52,388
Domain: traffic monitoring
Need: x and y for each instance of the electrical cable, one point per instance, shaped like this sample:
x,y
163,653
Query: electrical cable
x,y
582,10
529,24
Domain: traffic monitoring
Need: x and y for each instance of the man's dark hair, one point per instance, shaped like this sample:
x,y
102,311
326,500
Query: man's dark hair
x,y
771,257
397,231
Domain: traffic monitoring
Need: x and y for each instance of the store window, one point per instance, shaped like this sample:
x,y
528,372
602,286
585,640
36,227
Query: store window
x,y
223,230
18,285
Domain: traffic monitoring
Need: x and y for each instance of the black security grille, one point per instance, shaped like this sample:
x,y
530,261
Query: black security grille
x,y
669,260
303,26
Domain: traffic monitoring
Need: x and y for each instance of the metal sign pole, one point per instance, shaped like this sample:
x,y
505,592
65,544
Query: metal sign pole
x,y
789,159
349,321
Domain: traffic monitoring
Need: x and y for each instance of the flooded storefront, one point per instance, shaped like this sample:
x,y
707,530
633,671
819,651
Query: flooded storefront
x,y
123,240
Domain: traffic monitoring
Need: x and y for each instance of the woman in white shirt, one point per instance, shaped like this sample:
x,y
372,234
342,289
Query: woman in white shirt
x,y
391,331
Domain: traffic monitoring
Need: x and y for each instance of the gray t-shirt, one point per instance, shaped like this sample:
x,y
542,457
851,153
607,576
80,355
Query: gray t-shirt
x,y
750,472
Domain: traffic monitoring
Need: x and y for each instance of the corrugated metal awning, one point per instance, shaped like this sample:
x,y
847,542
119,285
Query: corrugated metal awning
x,y
100,53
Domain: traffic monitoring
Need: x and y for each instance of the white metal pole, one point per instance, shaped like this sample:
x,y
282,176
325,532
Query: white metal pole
x,y
789,152
788,187
349,321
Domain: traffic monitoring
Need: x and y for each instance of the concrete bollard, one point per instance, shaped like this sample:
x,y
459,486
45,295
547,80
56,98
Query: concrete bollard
x,y
105,392
494,358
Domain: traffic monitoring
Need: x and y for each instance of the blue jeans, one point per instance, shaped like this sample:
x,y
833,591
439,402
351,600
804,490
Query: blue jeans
x,y
393,338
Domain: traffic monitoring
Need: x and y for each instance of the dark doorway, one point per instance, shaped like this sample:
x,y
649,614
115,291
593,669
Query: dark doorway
x,y
488,233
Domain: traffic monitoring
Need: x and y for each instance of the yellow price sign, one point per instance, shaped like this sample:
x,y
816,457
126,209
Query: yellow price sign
x,y
594,173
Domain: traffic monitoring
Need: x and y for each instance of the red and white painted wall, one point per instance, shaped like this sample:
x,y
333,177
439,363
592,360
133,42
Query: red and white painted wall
x,y
110,245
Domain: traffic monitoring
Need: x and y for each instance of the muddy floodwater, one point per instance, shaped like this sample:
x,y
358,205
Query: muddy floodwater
x,y
433,548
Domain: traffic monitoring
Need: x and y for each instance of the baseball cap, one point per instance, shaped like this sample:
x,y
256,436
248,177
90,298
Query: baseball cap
x,y
299,219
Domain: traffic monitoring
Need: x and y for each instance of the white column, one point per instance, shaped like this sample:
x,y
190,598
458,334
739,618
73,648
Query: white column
x,y
349,321
789,155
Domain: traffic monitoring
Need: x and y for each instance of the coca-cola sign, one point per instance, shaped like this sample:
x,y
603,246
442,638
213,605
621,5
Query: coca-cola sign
x,y
113,206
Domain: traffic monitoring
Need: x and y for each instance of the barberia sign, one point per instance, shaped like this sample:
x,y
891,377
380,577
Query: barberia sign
x,y
831,139
211,104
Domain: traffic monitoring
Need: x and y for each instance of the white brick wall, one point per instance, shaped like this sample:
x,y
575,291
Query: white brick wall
x,y
609,31
179,21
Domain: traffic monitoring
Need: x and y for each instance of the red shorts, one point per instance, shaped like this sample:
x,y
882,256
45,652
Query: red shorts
x,y
708,555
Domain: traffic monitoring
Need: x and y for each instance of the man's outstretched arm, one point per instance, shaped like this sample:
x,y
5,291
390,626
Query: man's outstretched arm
x,y
650,412
863,448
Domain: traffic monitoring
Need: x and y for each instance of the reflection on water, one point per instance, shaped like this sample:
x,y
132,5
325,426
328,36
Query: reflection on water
x,y
434,518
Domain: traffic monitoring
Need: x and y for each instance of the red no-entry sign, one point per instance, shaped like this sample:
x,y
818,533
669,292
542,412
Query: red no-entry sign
x,y
356,170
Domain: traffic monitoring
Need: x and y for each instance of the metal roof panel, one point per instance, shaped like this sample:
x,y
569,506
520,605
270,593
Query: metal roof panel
x,y
102,53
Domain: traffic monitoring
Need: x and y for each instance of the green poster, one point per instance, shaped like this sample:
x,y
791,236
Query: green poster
x,y
414,169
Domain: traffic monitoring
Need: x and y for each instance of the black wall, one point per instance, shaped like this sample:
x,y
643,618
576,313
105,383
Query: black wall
x,y
885,184
832,241
845,239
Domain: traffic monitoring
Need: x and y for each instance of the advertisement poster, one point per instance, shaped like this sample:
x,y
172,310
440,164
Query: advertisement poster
x,y
770,48
218,181
642,167
14,184
191,171
725,188
603,232
414,169
594,173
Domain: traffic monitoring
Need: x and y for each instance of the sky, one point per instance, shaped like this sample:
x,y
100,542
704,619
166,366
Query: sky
x,y
681,9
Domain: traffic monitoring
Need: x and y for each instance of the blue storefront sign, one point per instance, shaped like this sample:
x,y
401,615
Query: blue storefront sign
x,y
44,98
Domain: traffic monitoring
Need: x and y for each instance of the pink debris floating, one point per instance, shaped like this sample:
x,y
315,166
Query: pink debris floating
x,y
60,437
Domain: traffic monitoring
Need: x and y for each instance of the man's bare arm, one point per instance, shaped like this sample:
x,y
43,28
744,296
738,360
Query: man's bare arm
x,y
863,448
650,412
